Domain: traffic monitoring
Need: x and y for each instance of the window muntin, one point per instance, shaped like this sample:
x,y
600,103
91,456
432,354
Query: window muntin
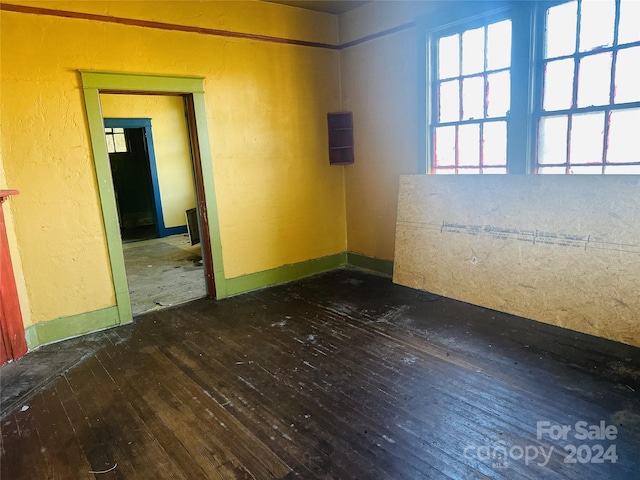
x,y
472,85
116,140
590,108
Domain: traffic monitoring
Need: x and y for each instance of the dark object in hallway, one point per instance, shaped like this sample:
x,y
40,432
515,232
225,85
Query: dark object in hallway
x,y
342,376
193,228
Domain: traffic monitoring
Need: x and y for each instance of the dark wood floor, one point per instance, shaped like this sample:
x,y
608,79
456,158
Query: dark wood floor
x,y
341,376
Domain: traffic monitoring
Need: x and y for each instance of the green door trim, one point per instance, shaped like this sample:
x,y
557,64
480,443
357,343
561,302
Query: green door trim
x,y
94,83
137,83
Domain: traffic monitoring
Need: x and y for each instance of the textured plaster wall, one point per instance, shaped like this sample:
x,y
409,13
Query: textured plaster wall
x,y
171,145
279,201
379,85
243,16
375,17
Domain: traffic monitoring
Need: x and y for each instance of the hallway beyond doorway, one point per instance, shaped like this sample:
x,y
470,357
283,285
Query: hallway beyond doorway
x,y
162,272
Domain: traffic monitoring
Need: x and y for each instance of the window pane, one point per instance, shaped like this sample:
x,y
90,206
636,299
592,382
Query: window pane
x,y
594,78
558,85
628,75
589,170
624,142
473,51
552,142
118,130
561,30
111,148
499,94
473,98
494,143
499,45
587,135
108,130
596,24
461,101
629,26
445,146
469,145
552,170
622,169
121,144
449,101
449,56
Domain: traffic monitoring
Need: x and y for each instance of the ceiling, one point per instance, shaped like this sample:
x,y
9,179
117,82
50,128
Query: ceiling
x,y
335,7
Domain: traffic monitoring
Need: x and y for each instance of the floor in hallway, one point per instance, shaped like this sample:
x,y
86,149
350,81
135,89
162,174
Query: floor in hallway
x,y
163,272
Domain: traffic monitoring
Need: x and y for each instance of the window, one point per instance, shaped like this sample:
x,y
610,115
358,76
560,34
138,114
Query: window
x,y
561,94
590,115
116,140
473,80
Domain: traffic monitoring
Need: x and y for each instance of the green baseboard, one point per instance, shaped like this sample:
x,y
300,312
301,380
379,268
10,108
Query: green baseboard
x,y
288,273
358,260
283,274
68,327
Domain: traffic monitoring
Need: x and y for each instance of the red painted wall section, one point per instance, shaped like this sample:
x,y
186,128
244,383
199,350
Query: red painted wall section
x,y
12,343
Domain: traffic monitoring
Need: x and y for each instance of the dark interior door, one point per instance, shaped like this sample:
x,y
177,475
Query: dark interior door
x,y
133,188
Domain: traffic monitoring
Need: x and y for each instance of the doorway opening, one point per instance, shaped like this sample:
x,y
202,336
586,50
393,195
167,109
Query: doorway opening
x,y
163,267
190,91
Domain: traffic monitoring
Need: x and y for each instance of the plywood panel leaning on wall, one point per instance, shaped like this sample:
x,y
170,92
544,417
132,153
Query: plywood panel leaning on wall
x,y
563,250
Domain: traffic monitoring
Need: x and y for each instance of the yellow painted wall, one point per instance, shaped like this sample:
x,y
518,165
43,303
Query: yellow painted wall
x,y
279,201
379,16
243,16
171,145
379,85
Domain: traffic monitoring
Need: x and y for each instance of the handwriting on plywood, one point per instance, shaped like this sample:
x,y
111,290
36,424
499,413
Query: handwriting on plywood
x,y
528,235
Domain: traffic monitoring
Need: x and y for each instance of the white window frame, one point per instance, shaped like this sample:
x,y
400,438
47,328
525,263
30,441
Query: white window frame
x,y
475,23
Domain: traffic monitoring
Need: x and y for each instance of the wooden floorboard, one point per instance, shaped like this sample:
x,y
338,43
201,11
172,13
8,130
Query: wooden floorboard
x,y
339,376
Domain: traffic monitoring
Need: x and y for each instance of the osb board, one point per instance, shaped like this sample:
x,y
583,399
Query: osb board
x,y
564,250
